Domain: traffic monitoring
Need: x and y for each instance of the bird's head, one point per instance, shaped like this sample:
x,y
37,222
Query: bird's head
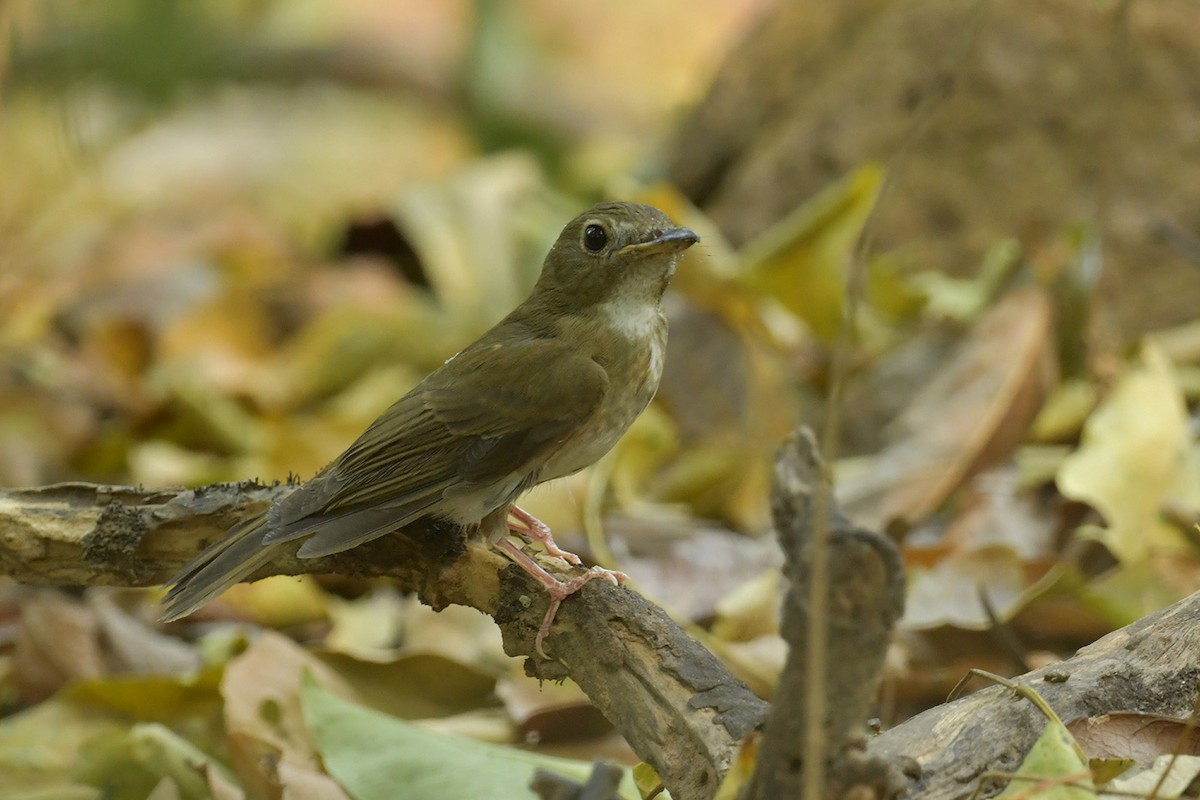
x,y
613,252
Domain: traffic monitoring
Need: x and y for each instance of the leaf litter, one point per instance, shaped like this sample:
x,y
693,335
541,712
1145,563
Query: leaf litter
x,y
173,309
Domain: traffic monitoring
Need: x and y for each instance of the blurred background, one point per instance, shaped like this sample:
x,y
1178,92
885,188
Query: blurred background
x,y
233,232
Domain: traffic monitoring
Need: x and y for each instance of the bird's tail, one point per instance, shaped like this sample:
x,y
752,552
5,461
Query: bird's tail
x,y
226,562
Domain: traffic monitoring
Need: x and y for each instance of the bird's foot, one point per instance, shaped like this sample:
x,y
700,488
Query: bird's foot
x,y
564,589
532,529
558,590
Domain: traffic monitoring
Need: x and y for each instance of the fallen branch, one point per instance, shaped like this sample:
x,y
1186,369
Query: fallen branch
x,y
866,598
1151,666
676,704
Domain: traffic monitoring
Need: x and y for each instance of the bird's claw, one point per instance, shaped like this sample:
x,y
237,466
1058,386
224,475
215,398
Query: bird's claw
x,y
533,529
564,589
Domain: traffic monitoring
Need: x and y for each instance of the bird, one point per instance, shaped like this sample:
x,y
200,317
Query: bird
x,y
544,393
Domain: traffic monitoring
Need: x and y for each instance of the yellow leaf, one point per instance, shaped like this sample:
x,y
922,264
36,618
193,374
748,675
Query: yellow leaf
x,y
803,260
751,610
1064,412
1137,459
278,601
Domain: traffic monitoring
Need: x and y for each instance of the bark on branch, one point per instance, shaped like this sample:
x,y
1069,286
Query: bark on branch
x,y
674,702
866,599
1151,666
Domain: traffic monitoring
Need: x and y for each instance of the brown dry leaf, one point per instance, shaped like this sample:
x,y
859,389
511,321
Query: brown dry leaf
x,y
133,645
995,511
611,748
41,429
269,742
249,145
1000,541
308,783
688,568
222,787
57,641
1136,736
117,352
549,712
971,414
949,593
627,105
415,685
482,724
1137,459
264,774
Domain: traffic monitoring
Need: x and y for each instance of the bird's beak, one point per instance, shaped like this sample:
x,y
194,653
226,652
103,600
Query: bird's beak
x,y
674,239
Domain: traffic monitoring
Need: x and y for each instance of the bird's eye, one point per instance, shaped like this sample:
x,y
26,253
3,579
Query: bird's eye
x,y
594,238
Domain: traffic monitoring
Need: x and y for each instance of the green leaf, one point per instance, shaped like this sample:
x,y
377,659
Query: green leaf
x,y
1053,769
1182,770
39,746
129,766
377,757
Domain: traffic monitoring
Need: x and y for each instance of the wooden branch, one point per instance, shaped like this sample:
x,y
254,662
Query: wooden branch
x,y
866,580
674,701
1151,666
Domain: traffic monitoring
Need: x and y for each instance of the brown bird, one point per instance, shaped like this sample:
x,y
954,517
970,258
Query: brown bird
x,y
546,392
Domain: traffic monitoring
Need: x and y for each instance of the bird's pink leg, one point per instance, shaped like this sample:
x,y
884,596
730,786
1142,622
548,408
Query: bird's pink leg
x,y
558,590
534,530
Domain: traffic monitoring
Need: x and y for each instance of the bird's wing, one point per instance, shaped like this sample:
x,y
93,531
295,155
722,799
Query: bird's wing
x,y
546,391
477,420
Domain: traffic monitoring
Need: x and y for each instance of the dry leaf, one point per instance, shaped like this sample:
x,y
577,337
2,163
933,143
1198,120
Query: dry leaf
x,y
949,593
1137,458
550,712
262,710
1136,736
134,645
971,414
57,642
